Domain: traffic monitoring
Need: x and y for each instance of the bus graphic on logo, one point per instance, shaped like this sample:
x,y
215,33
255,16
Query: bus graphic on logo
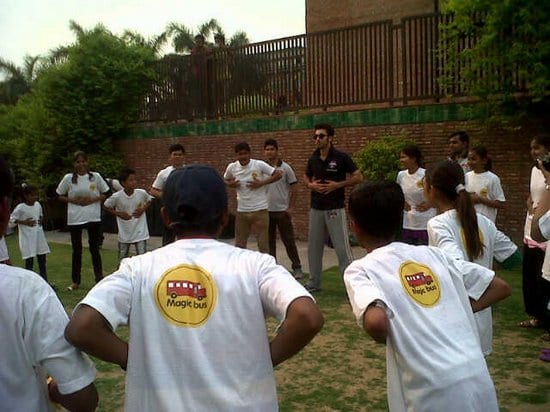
x,y
175,288
418,279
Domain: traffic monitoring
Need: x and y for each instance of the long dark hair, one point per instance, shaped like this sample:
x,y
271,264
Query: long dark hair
x,y
76,155
448,178
483,153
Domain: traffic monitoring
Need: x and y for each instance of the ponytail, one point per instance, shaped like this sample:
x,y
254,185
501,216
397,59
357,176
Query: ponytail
x,y
448,178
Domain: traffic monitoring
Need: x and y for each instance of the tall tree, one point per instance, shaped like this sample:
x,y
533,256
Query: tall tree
x,y
18,80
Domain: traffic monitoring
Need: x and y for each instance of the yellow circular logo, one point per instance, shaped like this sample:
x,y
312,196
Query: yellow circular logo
x,y
186,295
420,283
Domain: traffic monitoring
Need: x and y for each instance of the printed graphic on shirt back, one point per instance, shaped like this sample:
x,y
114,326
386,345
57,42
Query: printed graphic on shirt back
x,y
186,295
421,284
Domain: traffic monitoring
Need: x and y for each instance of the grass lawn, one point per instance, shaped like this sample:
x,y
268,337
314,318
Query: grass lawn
x,y
343,369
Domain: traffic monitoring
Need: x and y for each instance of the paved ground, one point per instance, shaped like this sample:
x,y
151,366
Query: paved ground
x,y
110,242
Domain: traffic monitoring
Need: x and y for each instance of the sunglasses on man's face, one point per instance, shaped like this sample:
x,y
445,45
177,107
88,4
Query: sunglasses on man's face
x,y
319,136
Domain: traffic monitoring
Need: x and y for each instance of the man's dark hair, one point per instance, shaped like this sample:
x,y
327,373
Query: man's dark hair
x,y
326,126
377,208
125,174
462,136
413,151
199,36
176,147
271,142
242,146
6,179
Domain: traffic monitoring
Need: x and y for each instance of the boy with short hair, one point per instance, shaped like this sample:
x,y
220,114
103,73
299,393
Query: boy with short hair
x,y
129,206
176,160
420,302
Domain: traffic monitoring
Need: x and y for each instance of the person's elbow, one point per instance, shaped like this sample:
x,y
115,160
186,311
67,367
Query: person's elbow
x,y
82,326
376,324
503,289
307,314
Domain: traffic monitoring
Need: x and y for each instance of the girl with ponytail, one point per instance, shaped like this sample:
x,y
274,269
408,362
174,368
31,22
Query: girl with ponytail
x,y
463,234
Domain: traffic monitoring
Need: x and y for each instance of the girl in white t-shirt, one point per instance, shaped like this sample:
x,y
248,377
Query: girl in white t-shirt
x,y
32,241
464,233
417,210
83,191
483,185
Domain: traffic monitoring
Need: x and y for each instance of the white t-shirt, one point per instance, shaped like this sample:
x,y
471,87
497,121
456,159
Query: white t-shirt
x,y
413,189
487,185
445,232
249,200
537,186
32,325
278,193
135,229
4,254
162,176
198,339
433,356
76,214
32,240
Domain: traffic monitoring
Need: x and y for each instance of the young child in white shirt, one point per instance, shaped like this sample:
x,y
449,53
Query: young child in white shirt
x,y
420,302
483,185
129,206
32,241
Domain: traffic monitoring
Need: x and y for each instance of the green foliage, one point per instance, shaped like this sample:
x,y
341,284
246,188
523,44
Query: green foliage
x,y
83,100
496,49
379,159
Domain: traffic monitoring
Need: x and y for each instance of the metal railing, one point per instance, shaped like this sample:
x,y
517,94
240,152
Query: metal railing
x,y
377,62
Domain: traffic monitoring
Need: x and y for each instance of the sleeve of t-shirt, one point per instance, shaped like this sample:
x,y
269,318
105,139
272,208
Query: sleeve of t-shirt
x,y
45,322
265,168
278,289
16,214
112,296
476,278
290,175
64,186
503,247
350,166
228,174
362,291
496,189
441,237
102,184
110,202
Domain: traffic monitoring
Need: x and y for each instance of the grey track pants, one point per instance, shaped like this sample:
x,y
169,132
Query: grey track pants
x,y
334,223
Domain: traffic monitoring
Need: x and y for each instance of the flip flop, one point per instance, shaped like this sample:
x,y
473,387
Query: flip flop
x,y
529,323
73,287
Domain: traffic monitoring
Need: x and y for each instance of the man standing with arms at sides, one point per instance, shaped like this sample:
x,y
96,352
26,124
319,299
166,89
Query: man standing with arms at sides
x,y
177,152
32,324
196,312
459,145
281,196
328,173
250,177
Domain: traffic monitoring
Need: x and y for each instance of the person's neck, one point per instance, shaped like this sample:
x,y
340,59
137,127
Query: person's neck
x,y
324,151
371,243
129,192
274,162
29,203
412,170
444,206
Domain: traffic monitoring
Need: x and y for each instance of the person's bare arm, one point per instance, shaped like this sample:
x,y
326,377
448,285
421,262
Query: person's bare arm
x,y
497,290
89,331
541,209
303,321
292,198
352,180
255,184
376,323
84,400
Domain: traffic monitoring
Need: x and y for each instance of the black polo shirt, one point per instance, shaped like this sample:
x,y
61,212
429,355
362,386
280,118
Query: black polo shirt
x,y
335,167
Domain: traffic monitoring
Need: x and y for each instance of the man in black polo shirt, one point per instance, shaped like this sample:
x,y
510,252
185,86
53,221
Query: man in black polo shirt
x,y
328,173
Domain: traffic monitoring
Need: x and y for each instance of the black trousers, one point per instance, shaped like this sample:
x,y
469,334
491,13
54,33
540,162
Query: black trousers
x,y
94,240
29,263
534,285
282,221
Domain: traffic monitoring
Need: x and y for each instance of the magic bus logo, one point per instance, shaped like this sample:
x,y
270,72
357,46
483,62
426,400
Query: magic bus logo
x,y
421,284
186,295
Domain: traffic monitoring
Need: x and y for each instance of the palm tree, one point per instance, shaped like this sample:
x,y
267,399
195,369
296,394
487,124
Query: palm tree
x,y
183,38
19,80
154,43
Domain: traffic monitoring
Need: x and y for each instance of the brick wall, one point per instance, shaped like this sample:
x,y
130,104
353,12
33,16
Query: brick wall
x,y
508,148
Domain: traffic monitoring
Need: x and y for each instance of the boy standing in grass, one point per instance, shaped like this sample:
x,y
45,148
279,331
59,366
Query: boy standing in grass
x,y
129,206
420,302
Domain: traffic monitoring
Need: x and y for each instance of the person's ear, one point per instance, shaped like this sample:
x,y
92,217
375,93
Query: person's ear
x,y
164,215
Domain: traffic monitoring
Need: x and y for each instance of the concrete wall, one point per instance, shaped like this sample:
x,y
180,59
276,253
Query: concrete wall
x,y
329,14
146,148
